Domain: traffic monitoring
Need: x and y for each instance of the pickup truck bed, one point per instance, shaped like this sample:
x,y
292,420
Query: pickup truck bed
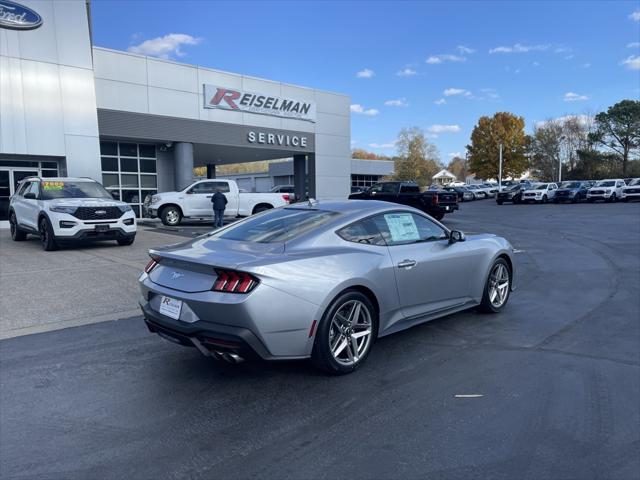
x,y
433,202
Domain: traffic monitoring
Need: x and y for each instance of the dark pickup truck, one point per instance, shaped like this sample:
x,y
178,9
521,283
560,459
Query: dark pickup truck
x,y
436,203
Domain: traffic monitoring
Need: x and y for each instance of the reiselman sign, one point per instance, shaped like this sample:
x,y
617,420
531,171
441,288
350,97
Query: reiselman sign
x,y
243,101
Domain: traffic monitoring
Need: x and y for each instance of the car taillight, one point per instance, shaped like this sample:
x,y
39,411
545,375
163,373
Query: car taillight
x,y
230,281
434,199
286,197
152,264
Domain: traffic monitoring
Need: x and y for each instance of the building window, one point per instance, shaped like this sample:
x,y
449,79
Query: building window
x,y
364,181
129,171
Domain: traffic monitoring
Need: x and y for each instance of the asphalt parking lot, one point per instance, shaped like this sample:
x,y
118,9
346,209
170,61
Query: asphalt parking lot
x,y
554,382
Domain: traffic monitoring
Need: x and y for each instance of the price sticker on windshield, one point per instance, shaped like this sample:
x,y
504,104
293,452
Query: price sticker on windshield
x,y
52,185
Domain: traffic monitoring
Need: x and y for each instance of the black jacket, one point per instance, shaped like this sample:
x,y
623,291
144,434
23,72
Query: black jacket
x,y
219,201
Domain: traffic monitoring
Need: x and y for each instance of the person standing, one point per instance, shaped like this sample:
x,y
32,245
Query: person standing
x,y
219,201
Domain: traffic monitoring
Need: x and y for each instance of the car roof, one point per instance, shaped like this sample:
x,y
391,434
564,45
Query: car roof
x,y
59,179
351,207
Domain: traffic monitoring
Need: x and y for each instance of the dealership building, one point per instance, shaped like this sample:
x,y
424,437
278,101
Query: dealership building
x,y
139,124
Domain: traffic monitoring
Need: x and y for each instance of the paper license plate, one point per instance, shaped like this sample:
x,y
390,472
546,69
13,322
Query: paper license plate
x,y
446,208
102,228
170,307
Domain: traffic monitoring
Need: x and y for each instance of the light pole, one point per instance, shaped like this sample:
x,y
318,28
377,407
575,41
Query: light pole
x,y
500,171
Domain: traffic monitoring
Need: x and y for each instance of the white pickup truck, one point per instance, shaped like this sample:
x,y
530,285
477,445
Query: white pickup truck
x,y
195,202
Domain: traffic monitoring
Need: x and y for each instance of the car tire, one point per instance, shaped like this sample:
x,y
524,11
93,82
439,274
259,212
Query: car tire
x,y
590,200
171,216
556,201
46,235
575,199
544,199
499,202
498,274
123,242
614,198
323,356
17,235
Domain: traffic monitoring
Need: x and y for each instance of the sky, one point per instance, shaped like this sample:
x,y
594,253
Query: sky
x,y
435,65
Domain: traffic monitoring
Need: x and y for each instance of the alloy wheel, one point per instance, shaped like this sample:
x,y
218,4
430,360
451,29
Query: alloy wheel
x,y
172,216
350,332
499,285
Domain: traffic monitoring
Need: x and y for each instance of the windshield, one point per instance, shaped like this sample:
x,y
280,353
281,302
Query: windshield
x,y
571,185
606,183
541,187
277,226
52,189
635,181
514,188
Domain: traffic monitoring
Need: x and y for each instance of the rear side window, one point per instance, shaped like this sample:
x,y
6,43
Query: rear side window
x,y
277,226
400,228
363,231
409,189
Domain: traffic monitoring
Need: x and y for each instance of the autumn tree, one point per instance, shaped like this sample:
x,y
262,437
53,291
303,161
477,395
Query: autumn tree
x,y
458,166
483,154
417,159
619,129
362,154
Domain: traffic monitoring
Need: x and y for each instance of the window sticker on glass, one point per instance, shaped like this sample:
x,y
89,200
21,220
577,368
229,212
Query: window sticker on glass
x,y
52,185
402,227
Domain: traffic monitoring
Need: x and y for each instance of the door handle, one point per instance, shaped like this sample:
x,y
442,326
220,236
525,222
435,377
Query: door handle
x,y
407,264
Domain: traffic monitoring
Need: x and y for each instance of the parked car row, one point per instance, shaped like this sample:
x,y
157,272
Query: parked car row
x,y
608,190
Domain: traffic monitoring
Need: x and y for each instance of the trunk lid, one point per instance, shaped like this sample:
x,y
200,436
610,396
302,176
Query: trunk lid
x,y
190,266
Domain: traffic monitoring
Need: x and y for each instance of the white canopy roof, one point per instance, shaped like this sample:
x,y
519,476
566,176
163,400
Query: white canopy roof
x,y
444,173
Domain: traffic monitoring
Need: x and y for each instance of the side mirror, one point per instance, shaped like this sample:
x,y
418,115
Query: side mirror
x,y
30,196
456,236
189,192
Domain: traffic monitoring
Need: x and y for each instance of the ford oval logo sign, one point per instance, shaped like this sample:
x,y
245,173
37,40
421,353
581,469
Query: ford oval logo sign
x,y
18,17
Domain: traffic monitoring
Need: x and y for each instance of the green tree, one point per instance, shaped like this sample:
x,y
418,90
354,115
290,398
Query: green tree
x,y
545,149
458,166
483,154
619,129
417,159
362,154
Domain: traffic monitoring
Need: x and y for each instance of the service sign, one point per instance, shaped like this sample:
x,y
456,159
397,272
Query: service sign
x,y
18,17
243,101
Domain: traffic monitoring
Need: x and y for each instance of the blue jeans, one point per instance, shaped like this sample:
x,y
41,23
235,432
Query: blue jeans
x,y
218,216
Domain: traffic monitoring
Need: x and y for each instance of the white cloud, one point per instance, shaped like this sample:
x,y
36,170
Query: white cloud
x,y
490,92
440,101
635,16
574,97
435,59
465,50
569,57
456,91
165,47
398,102
632,62
536,64
366,73
563,49
437,129
633,45
519,48
456,154
383,145
586,65
582,119
406,72
360,110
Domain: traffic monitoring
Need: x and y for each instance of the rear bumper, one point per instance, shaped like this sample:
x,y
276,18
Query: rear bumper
x,y
213,337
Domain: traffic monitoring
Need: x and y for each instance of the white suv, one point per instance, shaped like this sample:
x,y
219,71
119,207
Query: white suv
x,y
609,190
62,210
631,191
540,193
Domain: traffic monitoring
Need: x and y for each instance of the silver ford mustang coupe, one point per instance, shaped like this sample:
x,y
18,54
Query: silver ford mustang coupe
x,y
321,280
